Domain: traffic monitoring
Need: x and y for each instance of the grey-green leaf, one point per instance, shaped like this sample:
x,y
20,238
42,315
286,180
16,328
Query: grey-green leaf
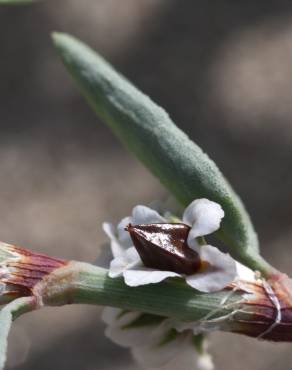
x,y
148,132
7,315
5,324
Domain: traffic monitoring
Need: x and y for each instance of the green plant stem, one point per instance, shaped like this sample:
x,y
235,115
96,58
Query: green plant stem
x,y
84,283
232,310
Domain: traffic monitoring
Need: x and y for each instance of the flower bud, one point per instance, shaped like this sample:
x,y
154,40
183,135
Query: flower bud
x,y
21,270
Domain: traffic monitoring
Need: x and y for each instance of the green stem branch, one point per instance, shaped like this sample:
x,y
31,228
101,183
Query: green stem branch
x,y
252,314
85,283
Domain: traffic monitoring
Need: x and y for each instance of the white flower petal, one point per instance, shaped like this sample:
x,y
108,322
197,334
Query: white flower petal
x,y
146,215
220,272
116,247
192,240
188,358
117,317
117,266
129,259
155,356
204,216
129,337
123,235
244,273
104,255
144,275
205,362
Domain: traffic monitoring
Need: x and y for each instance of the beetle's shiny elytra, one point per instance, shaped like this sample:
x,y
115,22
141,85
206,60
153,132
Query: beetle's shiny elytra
x,y
164,247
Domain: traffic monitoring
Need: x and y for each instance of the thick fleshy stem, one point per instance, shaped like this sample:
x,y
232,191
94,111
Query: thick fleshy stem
x,y
249,309
260,308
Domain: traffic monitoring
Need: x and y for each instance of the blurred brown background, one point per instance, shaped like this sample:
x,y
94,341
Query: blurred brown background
x,y
223,71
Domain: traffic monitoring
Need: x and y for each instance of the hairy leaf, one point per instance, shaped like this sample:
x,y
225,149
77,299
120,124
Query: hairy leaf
x,y
147,131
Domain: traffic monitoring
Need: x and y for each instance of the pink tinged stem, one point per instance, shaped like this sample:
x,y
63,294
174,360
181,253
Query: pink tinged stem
x,y
22,272
260,309
267,312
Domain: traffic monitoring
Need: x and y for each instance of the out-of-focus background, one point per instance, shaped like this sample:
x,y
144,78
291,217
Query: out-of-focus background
x,y
222,69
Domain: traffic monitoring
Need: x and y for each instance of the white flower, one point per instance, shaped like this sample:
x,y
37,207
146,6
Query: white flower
x,y
153,342
203,217
165,343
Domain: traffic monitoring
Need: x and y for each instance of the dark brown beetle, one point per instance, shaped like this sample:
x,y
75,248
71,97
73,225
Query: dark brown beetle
x,y
164,247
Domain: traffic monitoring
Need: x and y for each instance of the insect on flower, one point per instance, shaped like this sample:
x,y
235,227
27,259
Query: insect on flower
x,y
164,247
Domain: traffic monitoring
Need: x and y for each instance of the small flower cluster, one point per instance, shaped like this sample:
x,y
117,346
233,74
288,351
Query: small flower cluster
x,y
203,218
148,248
154,343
